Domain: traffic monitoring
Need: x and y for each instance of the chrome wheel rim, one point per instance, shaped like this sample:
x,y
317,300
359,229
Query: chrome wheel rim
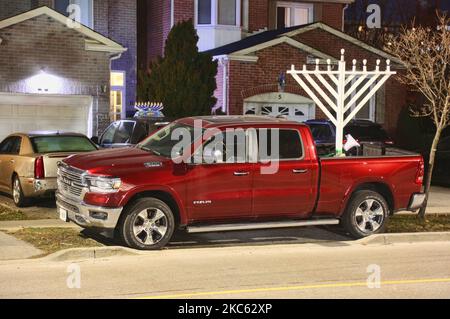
x,y
150,226
16,191
369,216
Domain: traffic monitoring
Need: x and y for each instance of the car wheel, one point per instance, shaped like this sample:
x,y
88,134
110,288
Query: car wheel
x,y
367,214
19,198
148,224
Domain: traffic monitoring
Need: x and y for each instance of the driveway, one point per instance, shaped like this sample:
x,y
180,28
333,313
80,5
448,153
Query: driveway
x,y
42,209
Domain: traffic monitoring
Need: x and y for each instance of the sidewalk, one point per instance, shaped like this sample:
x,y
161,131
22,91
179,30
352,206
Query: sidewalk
x,y
12,248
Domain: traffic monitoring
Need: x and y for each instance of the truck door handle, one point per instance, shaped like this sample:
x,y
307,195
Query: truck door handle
x,y
299,171
241,173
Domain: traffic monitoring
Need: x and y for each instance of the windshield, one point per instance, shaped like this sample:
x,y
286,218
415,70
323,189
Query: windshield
x,y
169,140
118,133
320,131
60,144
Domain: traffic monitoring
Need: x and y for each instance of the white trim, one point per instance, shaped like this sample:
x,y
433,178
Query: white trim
x,y
109,45
172,13
320,25
243,58
283,39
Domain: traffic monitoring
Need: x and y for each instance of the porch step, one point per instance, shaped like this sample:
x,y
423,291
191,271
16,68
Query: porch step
x,y
254,226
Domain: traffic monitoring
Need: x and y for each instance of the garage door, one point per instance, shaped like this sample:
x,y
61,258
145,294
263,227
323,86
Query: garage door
x,y
26,113
292,106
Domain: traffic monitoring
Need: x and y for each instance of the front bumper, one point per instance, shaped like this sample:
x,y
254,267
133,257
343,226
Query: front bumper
x,y
88,216
416,202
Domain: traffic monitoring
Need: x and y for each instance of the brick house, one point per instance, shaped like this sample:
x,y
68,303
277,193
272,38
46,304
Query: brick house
x,y
256,42
59,75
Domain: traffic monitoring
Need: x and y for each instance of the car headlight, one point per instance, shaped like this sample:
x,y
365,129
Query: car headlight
x,y
103,184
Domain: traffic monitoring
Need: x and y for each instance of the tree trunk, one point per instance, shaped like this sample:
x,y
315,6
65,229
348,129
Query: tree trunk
x,y
430,172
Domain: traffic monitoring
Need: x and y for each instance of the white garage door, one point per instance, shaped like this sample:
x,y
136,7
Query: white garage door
x,y
26,113
292,106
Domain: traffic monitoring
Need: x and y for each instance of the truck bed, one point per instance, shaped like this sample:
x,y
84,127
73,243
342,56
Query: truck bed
x,y
339,177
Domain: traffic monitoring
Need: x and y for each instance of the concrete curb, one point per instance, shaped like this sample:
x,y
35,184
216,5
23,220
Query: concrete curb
x,y
78,254
388,239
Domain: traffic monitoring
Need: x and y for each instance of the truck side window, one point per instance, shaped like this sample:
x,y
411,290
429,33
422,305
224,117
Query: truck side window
x,y
230,146
289,144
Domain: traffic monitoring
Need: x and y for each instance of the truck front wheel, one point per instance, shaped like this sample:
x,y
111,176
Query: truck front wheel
x,y
147,224
366,214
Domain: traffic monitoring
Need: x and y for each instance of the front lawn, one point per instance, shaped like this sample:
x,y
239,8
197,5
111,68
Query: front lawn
x,y
51,240
413,224
7,214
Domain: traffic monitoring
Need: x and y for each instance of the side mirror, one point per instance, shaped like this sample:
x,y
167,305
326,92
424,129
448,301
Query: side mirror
x,y
95,140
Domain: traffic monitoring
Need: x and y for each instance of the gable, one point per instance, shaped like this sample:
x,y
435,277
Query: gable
x,y
299,34
94,40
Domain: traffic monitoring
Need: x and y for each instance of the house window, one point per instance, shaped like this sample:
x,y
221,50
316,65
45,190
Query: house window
x,y
218,12
369,109
86,10
204,11
291,14
227,12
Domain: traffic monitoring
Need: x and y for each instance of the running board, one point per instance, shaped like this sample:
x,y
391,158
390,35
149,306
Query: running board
x,y
254,226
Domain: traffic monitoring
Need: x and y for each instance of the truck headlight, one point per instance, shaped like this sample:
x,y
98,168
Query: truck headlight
x,y
103,184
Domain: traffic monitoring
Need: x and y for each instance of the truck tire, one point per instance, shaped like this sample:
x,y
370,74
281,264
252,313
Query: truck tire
x,y
17,192
147,224
366,214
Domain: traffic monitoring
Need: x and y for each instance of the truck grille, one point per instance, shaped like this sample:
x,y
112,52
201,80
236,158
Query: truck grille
x,y
70,180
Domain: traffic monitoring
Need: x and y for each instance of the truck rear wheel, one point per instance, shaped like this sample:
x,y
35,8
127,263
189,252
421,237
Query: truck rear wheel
x,y
148,224
367,214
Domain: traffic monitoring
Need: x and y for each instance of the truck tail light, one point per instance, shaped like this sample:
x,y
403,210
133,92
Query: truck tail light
x,y
420,173
39,172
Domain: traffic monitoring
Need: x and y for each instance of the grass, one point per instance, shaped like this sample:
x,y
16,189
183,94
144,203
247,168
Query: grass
x,y
413,224
7,214
51,240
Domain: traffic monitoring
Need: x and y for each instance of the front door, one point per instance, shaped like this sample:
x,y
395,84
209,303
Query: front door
x,y
286,189
220,187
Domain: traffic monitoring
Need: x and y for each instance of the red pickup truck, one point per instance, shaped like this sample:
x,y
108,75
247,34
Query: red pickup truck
x,y
143,194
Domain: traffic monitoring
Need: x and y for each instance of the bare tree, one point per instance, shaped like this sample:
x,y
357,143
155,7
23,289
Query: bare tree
x,y
425,52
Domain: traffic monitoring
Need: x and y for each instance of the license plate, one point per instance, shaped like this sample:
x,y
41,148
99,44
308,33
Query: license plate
x,y
63,215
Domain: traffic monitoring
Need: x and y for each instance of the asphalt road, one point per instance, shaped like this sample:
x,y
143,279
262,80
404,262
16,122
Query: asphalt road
x,y
325,270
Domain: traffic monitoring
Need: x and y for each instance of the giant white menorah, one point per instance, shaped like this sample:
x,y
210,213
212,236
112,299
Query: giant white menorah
x,y
337,92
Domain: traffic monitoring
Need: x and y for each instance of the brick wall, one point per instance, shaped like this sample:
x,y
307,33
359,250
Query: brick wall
x,y
184,10
122,28
157,27
10,8
332,14
258,15
47,44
